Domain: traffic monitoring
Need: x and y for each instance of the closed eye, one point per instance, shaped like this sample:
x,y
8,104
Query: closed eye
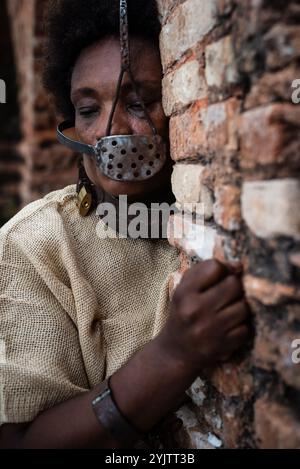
x,y
87,111
137,108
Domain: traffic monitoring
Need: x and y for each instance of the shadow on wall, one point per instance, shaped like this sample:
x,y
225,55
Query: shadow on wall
x,y
10,135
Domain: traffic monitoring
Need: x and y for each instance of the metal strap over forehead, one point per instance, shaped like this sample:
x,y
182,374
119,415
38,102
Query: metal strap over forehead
x,y
126,67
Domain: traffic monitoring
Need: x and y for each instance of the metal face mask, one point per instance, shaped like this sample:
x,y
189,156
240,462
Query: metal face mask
x,y
123,157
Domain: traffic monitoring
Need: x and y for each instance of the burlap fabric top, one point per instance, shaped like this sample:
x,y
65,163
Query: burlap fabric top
x,y
74,305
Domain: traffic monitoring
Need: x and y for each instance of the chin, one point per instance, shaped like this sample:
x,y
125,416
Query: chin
x,y
133,190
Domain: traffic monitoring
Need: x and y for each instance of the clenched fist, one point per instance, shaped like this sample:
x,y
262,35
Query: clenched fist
x,y
209,317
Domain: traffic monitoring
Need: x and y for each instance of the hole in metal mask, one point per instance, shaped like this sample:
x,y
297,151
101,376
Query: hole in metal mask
x,y
151,163
119,176
136,175
134,150
111,157
123,152
133,165
120,165
114,143
148,173
141,157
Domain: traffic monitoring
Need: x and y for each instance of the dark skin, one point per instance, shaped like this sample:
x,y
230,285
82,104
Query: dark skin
x,y
209,315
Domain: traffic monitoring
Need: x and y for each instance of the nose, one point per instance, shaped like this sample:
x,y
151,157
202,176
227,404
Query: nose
x,y
120,122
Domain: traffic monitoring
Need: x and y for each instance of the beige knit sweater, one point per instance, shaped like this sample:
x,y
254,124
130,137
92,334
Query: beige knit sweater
x,y
74,305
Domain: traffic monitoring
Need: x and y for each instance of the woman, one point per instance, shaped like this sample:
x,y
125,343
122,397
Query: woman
x,y
78,307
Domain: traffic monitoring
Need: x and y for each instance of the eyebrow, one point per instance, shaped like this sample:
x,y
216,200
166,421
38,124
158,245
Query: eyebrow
x,y
90,92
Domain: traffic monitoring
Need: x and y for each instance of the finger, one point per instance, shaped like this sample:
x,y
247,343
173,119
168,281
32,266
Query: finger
x,y
203,275
234,315
237,337
228,291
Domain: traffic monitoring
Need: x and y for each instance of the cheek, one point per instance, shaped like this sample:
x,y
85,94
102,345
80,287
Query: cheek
x,y
87,133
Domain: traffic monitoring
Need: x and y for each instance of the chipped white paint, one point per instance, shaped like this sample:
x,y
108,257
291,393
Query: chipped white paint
x,y
271,208
198,440
213,116
196,393
189,23
217,422
188,417
183,86
214,441
220,63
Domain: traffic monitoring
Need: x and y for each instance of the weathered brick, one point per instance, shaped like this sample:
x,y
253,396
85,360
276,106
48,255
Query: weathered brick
x,y
165,7
195,239
203,129
269,135
192,436
189,23
232,379
288,370
226,251
271,87
273,350
188,187
271,208
295,259
183,86
227,207
282,44
221,67
267,292
275,425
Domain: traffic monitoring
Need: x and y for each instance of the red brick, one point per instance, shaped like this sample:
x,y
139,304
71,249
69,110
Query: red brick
x,y
227,208
226,251
187,25
233,379
269,135
203,129
267,292
275,426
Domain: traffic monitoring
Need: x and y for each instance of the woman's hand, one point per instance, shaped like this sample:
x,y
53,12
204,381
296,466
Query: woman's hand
x,y
208,320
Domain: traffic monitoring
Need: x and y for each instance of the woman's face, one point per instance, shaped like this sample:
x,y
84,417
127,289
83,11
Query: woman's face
x,y
93,89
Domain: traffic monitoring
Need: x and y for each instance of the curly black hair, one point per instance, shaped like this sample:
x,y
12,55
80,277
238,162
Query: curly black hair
x,y
73,25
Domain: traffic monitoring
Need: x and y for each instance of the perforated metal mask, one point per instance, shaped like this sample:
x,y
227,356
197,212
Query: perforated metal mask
x,y
123,157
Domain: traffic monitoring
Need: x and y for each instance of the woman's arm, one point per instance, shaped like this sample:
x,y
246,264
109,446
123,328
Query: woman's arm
x,y
207,322
151,384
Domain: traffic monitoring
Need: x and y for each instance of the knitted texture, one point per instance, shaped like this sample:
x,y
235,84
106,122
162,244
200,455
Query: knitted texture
x,y
75,305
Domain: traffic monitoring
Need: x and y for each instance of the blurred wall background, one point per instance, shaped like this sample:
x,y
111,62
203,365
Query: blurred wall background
x,y
32,163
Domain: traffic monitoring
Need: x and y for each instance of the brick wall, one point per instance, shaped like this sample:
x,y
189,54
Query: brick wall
x,y
11,162
228,66
228,70
46,164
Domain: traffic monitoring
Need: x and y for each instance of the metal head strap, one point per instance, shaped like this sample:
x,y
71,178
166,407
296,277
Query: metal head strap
x,y
126,67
